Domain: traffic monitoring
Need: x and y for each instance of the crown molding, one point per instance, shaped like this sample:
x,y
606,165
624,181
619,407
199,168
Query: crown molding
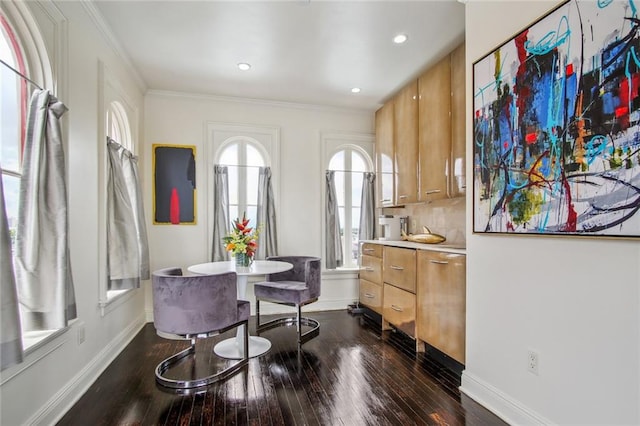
x,y
113,42
253,101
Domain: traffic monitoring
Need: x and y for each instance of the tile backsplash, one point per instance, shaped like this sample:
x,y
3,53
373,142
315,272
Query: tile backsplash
x,y
444,217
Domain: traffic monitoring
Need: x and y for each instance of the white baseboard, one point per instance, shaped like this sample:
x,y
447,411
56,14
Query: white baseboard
x,y
51,412
502,405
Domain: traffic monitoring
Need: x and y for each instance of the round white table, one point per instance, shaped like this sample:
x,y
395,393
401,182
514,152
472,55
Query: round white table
x,y
232,348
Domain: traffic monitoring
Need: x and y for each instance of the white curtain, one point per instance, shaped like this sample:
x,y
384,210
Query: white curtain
x,y
127,244
367,208
10,332
334,257
42,262
266,217
221,223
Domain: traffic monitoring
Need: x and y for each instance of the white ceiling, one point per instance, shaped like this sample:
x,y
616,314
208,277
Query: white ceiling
x,y
305,52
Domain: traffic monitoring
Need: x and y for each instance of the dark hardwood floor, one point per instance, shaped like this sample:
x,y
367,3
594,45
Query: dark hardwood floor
x,y
351,374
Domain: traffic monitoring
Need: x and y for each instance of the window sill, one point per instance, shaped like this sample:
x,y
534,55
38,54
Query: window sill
x,y
115,298
341,273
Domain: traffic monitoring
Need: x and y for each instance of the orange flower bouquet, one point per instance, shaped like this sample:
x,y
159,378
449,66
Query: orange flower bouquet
x,y
242,241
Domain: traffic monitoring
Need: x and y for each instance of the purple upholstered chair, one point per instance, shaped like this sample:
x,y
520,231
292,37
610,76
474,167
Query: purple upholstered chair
x,y
192,307
297,287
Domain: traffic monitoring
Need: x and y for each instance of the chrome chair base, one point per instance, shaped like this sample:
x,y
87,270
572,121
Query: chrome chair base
x,y
298,321
162,368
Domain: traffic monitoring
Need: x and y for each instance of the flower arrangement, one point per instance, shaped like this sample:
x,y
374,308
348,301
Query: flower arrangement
x,y
242,241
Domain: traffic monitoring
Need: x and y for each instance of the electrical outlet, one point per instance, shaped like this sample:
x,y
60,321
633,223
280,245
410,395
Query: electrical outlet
x,y
80,334
532,362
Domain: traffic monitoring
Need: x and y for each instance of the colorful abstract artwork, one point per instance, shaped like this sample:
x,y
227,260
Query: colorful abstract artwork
x,y
174,184
556,117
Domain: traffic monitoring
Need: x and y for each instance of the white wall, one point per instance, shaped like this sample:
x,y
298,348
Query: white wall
x,y
49,380
182,119
579,308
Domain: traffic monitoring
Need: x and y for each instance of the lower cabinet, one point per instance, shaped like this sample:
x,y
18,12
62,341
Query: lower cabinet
x,y
371,295
399,309
441,302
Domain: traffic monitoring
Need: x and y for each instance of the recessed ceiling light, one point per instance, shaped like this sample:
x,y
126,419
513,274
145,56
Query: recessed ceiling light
x,y
355,90
244,66
400,38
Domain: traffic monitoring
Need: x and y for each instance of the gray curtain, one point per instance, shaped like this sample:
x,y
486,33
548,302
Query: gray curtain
x,y
10,332
42,263
367,208
127,243
266,217
221,222
334,257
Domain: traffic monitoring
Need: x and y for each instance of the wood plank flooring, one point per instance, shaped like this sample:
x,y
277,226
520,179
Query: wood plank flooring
x,y
352,374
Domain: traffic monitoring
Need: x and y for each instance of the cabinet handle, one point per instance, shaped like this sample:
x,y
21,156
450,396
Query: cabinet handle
x,y
368,268
396,308
397,268
386,200
368,295
368,250
439,262
432,191
403,196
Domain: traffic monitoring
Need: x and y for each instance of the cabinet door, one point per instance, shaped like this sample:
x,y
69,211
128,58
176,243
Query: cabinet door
x,y
399,268
458,182
406,144
435,131
441,302
371,268
399,309
385,181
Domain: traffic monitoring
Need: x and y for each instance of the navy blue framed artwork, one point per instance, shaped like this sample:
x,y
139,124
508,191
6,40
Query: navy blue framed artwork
x,y
174,184
556,126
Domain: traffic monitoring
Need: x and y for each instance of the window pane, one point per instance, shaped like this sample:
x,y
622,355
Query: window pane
x,y
252,214
339,180
233,213
233,185
229,155
356,189
357,162
9,111
253,157
337,161
252,185
11,187
341,215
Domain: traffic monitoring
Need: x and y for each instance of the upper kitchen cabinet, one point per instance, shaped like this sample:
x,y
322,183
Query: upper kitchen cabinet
x,y
385,156
458,183
435,131
406,144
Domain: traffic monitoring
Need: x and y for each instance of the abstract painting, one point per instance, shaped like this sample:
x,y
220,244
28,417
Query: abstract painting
x,y
174,184
556,125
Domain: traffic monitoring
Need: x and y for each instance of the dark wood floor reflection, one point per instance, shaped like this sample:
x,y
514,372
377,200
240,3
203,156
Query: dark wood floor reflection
x,y
348,375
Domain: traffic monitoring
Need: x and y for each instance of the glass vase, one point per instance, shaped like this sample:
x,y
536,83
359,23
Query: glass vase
x,y
242,260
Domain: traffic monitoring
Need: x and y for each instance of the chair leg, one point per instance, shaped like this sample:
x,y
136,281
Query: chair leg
x,y
194,383
298,321
257,314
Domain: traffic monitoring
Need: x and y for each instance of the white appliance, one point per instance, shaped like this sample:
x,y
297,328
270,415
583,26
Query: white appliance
x,y
390,228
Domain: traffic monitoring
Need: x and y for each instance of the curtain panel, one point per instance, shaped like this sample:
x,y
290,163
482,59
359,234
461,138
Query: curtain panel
x,y
127,243
367,227
266,217
334,256
221,223
42,261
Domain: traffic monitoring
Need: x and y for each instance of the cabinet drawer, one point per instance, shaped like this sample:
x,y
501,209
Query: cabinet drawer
x,y
399,268
399,309
371,269
371,295
370,249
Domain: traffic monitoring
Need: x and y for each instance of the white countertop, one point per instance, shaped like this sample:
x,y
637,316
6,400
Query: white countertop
x,y
444,246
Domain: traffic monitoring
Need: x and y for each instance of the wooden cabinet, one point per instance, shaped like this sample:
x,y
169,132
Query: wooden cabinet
x,y
385,179
434,130
406,144
370,293
441,301
458,182
399,309
399,268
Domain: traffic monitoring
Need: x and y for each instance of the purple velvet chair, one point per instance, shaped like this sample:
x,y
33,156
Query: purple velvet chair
x,y
193,307
297,287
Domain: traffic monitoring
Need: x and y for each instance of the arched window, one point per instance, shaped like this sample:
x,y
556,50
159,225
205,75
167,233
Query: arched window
x,y
243,156
349,164
117,125
13,118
